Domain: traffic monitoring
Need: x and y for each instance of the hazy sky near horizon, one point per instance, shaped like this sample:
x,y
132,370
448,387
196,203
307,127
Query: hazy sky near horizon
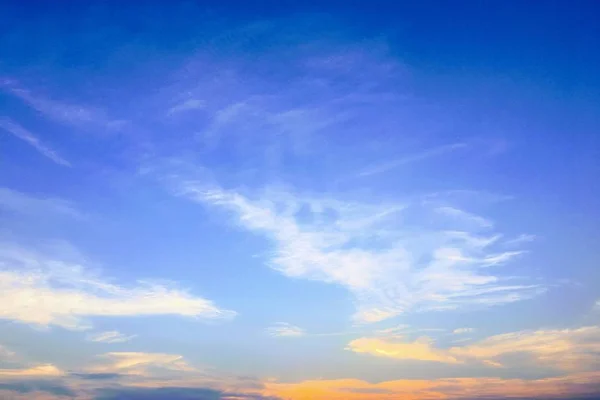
x,y
299,200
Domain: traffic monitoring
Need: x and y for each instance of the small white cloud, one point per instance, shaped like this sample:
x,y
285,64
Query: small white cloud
x,y
28,137
110,337
285,329
461,331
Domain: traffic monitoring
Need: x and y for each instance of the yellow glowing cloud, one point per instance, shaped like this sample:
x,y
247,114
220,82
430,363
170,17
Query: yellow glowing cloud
x,y
421,349
568,349
137,363
37,371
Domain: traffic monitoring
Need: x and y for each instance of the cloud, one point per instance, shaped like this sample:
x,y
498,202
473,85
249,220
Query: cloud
x,y
43,290
568,349
521,239
187,105
23,134
566,387
461,331
6,353
35,371
467,217
26,204
137,363
434,152
75,115
175,393
99,376
110,337
32,386
285,329
421,349
388,256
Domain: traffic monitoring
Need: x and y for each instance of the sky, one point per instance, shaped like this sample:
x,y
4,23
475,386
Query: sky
x,y
296,200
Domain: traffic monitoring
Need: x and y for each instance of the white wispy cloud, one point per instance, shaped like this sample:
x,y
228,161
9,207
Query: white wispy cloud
x,y
423,155
390,268
110,337
460,331
187,105
521,239
465,216
43,290
567,349
139,363
76,115
18,131
285,329
27,204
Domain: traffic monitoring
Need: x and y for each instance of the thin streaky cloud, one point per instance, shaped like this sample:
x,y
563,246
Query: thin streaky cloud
x,y
76,115
434,152
110,337
139,363
465,216
521,239
18,131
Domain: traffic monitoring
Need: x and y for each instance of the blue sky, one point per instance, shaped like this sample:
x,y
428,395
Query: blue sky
x,y
285,200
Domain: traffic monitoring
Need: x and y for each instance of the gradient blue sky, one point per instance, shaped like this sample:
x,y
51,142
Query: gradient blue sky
x,y
299,200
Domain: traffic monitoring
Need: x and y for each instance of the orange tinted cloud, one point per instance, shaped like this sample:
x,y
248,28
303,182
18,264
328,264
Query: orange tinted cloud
x,y
348,389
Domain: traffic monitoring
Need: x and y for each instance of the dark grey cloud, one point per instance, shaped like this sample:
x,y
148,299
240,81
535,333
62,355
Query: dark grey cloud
x,y
97,376
29,386
172,393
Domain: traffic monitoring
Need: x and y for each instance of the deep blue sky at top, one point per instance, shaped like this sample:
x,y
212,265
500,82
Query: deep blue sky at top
x,y
541,47
546,41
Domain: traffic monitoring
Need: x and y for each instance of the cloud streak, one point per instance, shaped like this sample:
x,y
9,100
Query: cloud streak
x,y
19,132
110,337
424,155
